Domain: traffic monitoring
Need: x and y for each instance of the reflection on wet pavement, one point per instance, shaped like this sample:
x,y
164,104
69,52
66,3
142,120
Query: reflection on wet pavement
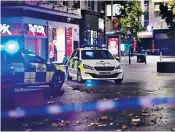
x,y
139,81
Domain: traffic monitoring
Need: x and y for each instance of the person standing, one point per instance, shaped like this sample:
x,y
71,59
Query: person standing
x,y
55,50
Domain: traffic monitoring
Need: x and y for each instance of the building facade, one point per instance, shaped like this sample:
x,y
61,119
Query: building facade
x,y
153,23
50,29
92,23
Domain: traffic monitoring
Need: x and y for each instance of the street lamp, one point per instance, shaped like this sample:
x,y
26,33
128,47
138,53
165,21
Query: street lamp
x,y
129,36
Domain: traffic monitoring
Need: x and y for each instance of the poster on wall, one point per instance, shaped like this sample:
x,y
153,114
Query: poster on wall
x,y
60,44
113,46
10,29
69,41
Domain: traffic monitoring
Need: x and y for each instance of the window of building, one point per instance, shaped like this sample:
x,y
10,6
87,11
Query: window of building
x,y
92,7
89,4
146,15
99,6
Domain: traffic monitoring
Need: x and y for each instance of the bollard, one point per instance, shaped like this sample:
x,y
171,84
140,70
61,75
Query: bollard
x,y
145,57
160,56
129,56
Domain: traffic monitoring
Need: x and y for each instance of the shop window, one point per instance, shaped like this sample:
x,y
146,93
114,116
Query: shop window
x,y
89,4
36,45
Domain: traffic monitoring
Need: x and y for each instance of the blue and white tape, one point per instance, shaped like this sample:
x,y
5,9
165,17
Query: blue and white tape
x,y
102,105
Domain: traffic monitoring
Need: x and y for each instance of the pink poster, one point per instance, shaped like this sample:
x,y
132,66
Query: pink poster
x,y
113,46
69,41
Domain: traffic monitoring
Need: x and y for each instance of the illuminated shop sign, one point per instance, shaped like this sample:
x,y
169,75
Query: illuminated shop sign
x,y
10,29
35,30
116,9
4,28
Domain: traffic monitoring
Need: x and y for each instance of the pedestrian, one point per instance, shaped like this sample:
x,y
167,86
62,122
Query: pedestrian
x,y
55,50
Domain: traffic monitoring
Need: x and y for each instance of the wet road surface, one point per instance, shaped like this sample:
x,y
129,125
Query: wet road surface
x,y
140,80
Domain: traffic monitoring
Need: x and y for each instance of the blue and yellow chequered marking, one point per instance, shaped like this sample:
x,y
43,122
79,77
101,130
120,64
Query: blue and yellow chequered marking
x,y
41,72
35,72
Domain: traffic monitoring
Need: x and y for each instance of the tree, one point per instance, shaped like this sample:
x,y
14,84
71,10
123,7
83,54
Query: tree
x,y
130,19
167,12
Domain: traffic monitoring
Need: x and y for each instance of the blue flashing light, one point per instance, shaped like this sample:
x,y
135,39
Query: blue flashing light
x,y
93,83
11,47
1,47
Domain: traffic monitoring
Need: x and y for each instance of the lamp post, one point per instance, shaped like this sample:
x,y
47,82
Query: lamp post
x,y
129,36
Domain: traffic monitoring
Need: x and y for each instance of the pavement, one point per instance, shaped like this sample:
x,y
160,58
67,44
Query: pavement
x,y
140,81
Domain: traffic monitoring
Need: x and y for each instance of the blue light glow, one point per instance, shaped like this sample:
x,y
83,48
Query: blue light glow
x,y
1,47
12,46
92,83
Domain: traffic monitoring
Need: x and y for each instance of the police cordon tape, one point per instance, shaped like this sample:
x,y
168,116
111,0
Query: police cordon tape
x,y
102,105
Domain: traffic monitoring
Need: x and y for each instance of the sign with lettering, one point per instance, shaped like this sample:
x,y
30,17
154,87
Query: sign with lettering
x,y
5,28
35,30
10,29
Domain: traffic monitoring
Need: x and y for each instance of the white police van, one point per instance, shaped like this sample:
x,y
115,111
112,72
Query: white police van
x,y
94,64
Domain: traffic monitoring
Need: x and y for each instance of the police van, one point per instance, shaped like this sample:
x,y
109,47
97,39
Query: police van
x,y
30,69
94,64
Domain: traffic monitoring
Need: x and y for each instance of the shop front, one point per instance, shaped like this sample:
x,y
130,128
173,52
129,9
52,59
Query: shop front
x,y
92,29
10,33
35,39
63,39
50,40
164,41
25,33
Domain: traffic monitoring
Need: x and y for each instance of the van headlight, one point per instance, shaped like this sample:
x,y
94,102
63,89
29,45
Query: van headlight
x,y
88,67
118,67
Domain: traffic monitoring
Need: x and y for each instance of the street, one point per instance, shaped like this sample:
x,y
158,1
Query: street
x,y
140,80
